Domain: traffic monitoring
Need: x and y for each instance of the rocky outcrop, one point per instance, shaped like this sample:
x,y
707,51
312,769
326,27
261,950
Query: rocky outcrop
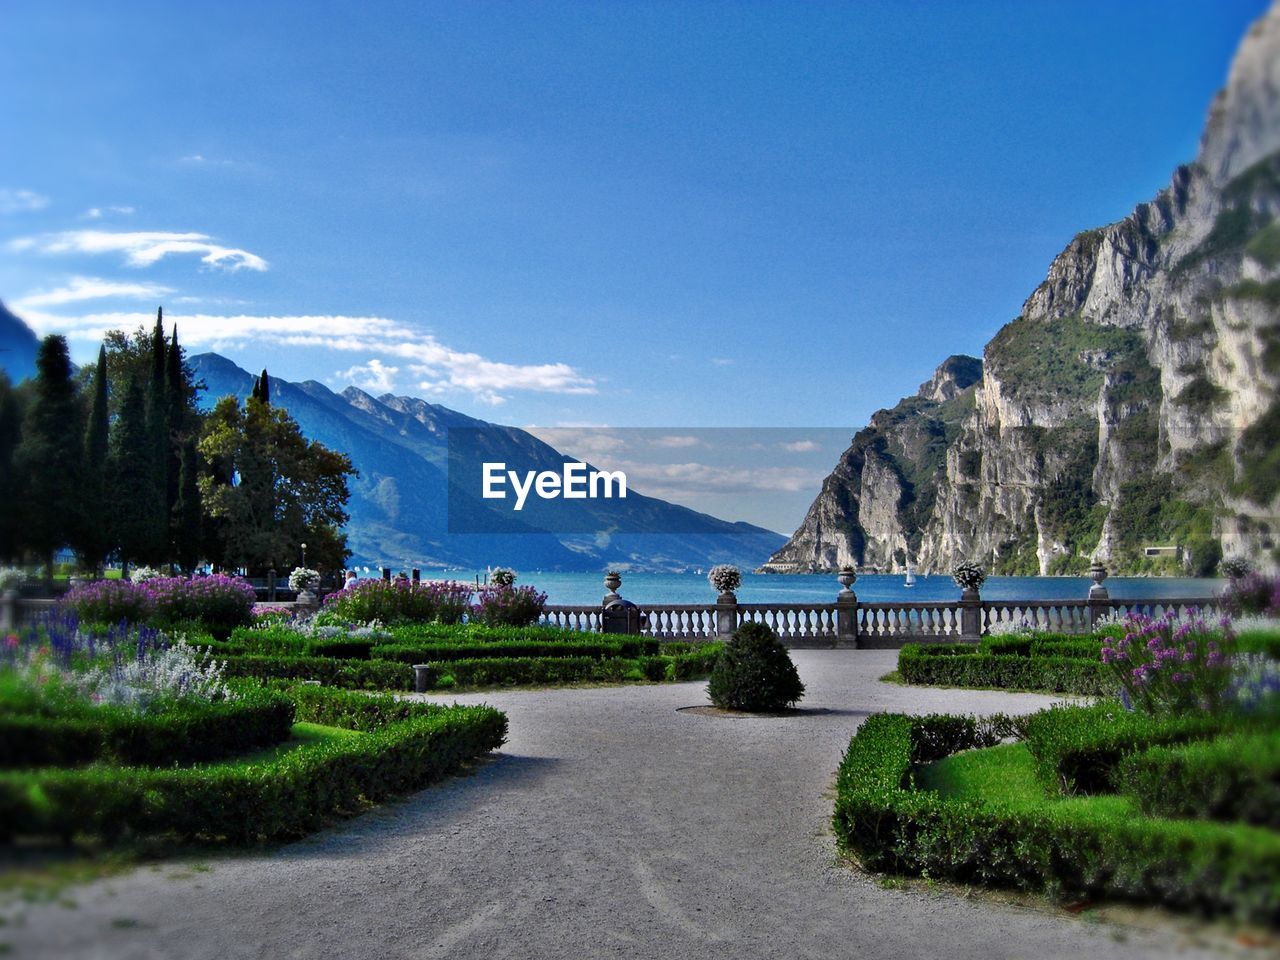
x,y
1133,401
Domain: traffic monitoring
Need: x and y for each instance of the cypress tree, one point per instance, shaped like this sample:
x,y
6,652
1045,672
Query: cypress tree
x,y
189,509
131,490
94,537
264,390
49,455
157,429
10,491
175,387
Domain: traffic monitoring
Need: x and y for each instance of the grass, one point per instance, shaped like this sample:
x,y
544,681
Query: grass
x,y
304,735
1005,773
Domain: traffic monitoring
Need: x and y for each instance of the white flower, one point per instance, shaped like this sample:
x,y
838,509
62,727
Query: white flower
x,y
303,578
725,577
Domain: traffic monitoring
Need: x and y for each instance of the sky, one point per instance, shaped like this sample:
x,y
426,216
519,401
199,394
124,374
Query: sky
x,y
581,214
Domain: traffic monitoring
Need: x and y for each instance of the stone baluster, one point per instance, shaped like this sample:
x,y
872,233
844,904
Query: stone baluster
x,y
1099,597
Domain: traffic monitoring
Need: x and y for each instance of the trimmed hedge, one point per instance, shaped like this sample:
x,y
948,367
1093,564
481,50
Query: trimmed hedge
x,y
962,665
183,732
380,674
519,671
348,674
284,797
1232,778
1076,749
597,648
1064,849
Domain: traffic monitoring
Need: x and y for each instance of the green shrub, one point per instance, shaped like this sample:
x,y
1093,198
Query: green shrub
x,y
426,634
1075,850
348,674
754,672
284,797
1229,778
183,731
961,665
598,648
1076,749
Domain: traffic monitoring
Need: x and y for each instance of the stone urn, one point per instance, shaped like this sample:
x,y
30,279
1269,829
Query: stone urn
x,y
307,600
612,581
847,577
1097,573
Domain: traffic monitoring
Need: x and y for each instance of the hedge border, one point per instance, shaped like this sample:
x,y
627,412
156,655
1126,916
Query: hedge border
x,y
963,665
1061,850
282,798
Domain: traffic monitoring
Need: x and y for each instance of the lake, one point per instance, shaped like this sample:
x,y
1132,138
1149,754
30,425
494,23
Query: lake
x,y
587,588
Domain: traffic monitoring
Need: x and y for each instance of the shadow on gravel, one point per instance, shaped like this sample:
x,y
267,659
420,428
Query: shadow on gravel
x,y
799,713
443,807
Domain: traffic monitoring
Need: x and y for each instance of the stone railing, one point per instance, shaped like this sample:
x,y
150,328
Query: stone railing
x,y
849,623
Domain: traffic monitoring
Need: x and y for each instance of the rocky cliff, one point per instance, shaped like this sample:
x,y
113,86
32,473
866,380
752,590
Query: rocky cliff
x,y
1132,403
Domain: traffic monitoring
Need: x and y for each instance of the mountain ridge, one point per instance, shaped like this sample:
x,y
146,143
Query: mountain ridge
x,y
1133,401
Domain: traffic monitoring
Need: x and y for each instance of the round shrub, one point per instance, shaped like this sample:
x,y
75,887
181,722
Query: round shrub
x,y
754,673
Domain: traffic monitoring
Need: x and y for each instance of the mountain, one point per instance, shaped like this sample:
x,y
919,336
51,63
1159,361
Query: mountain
x,y
1132,403
18,345
401,507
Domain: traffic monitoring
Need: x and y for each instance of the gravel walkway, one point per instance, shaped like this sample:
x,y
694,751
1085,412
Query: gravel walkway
x,y
611,825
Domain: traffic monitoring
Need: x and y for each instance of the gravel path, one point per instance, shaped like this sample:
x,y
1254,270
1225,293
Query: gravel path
x,y
611,825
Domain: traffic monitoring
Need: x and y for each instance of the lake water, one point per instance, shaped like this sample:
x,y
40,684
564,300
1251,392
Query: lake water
x,y
586,588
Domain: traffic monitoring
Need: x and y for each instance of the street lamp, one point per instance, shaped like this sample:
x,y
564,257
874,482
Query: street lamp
x,y
304,554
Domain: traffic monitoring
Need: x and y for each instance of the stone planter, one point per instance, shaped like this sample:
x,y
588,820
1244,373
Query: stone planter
x,y
847,579
612,581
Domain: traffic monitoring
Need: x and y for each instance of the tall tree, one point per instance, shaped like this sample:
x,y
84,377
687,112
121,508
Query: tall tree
x,y
94,536
50,453
158,434
176,414
10,490
188,539
131,491
285,490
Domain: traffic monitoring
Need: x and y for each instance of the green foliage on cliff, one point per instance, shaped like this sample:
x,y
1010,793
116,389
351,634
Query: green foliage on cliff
x,y
1259,453
1265,246
1152,511
1064,359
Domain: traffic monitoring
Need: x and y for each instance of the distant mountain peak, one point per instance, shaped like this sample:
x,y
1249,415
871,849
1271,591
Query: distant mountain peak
x,y
18,346
1244,120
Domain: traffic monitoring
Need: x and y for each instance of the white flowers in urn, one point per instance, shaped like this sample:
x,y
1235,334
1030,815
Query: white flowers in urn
x,y
968,576
304,579
725,577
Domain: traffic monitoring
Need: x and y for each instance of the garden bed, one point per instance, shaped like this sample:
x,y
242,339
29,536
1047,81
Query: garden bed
x,y
942,796
345,750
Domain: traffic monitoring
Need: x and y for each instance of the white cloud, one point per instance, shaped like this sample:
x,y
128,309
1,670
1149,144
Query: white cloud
x,y
585,441
372,376
21,201
676,443
142,248
677,480
97,213
722,361
801,446
441,368
200,160
79,289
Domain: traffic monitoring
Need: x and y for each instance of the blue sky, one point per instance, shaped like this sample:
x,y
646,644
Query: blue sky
x,y
584,214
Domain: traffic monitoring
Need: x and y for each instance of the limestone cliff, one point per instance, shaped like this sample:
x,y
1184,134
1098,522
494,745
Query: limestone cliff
x,y
1133,402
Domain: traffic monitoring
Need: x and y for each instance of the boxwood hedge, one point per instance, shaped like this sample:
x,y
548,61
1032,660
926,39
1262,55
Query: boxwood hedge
x,y
1231,778
181,732
1069,849
963,665
402,747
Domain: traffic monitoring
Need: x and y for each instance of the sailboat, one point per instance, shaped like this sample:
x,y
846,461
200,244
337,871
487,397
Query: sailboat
x,y
910,580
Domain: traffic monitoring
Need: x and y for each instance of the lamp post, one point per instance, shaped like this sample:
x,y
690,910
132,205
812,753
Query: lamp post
x,y
304,554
